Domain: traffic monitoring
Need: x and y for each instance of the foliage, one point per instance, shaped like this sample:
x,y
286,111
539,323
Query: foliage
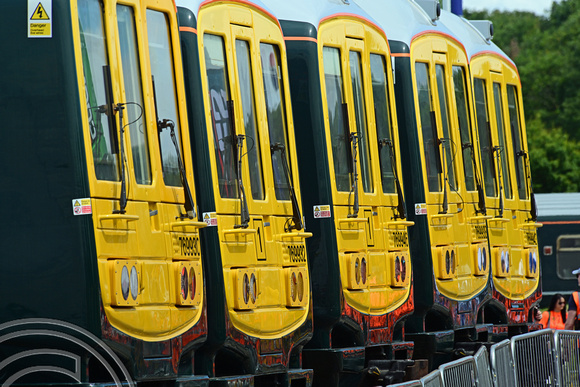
x,y
546,51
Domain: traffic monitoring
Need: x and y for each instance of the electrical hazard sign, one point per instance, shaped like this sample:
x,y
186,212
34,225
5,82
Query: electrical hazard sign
x,y
82,206
210,218
39,19
321,211
420,208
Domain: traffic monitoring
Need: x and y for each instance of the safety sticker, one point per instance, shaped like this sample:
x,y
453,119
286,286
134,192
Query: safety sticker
x,y
210,218
420,208
321,211
39,19
82,206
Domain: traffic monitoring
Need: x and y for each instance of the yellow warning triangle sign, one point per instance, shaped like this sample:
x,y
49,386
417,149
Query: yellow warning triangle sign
x,y
39,13
77,203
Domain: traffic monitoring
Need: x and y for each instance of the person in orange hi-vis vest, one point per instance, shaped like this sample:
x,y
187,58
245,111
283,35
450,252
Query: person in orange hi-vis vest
x,y
555,316
573,305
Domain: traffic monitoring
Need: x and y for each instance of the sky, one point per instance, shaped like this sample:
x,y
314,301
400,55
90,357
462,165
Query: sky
x,y
539,7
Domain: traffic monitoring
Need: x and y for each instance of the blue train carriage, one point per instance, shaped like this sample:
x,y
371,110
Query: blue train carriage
x,y
505,166
350,168
559,243
260,309
445,198
111,287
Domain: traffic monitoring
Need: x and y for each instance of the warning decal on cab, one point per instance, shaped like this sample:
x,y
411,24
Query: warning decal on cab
x,y
39,19
420,208
321,211
210,218
82,206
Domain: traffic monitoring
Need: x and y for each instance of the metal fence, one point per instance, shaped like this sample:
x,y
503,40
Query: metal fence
x,y
460,373
567,351
483,371
502,364
543,358
534,358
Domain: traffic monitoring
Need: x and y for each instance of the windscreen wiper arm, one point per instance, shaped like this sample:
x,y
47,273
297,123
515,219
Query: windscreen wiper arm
x,y
354,189
296,216
161,125
401,207
244,212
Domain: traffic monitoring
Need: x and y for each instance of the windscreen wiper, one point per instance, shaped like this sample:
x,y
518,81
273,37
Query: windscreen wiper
x,y
117,143
164,124
244,212
497,151
533,206
296,216
354,189
401,208
481,198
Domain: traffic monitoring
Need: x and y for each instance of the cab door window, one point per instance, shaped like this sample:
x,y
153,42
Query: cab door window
x,y
502,153
339,133
429,130
219,95
95,62
484,135
161,60
361,120
462,103
516,131
274,96
134,111
249,119
383,121
448,143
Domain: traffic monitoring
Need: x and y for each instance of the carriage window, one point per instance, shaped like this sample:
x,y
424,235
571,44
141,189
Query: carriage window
x,y
517,139
274,96
94,57
383,118
448,145
252,137
501,134
484,135
361,120
219,95
335,97
427,116
161,57
568,255
135,112
464,126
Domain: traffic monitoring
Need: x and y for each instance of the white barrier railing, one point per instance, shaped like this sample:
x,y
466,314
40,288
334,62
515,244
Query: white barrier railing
x,y
533,355
537,359
502,364
482,369
567,351
460,373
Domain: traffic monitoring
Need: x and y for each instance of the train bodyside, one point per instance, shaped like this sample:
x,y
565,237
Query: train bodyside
x,y
449,239
505,170
349,159
260,309
559,243
109,273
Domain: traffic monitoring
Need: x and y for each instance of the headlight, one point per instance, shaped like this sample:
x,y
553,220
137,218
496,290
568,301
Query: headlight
x,y
300,287
134,283
192,283
447,262
480,258
363,270
397,269
403,269
125,282
253,288
357,270
184,283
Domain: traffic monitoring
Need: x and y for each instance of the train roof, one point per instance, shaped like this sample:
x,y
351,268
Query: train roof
x,y
194,5
313,12
471,38
558,205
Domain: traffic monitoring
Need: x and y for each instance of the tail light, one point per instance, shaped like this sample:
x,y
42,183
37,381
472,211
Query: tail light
x,y
187,276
